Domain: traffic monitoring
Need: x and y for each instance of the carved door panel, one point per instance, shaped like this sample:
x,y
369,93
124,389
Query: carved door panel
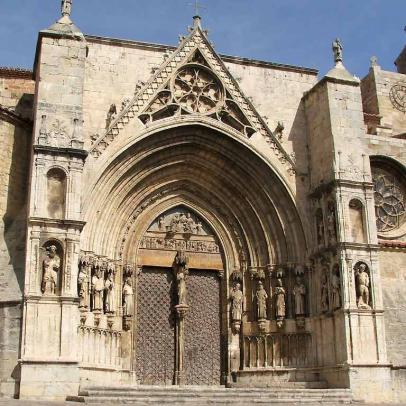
x,y
202,329
155,345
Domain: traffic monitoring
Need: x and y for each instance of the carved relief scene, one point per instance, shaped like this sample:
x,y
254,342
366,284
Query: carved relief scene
x,y
180,229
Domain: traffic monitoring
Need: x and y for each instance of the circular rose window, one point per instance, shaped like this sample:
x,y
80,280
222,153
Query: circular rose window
x,y
197,90
389,200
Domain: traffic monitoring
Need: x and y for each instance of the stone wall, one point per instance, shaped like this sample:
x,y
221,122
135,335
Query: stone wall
x,y
393,276
16,95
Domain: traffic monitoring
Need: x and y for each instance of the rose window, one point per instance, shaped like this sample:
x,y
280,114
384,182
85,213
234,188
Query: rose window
x,y
389,201
197,90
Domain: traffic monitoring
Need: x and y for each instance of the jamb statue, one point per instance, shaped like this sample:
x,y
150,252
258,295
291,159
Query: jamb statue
x,y
362,280
261,297
299,294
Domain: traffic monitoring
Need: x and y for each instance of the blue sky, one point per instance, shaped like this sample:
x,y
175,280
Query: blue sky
x,y
296,32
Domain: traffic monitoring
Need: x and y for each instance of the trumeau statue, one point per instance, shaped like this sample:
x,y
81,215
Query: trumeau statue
x,y
66,7
299,294
362,283
337,50
181,271
110,294
97,290
261,297
51,266
237,300
128,295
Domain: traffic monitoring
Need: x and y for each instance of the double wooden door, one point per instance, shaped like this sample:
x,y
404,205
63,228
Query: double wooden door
x,y
156,322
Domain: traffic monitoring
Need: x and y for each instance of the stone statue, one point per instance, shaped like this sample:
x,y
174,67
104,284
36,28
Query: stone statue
x,y
181,271
331,224
128,301
83,286
261,297
335,288
324,292
97,290
66,7
299,294
237,300
110,294
111,115
362,283
51,266
337,50
280,300
320,227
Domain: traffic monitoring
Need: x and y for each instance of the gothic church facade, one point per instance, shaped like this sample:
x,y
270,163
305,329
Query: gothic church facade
x,y
172,216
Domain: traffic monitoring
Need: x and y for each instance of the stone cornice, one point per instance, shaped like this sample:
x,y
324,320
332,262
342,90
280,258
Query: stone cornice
x,y
53,222
226,58
392,244
328,187
80,153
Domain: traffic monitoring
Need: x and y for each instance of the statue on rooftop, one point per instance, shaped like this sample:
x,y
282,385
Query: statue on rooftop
x,y
66,8
338,50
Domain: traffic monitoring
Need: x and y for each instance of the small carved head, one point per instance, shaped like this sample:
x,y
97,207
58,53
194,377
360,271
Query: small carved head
x,y
51,250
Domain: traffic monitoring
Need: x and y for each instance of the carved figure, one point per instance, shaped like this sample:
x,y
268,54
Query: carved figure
x,y
280,300
51,266
199,228
174,224
111,115
110,294
362,281
161,223
299,294
83,287
331,224
261,297
66,7
181,271
336,288
190,225
237,300
324,292
320,227
337,50
128,301
97,290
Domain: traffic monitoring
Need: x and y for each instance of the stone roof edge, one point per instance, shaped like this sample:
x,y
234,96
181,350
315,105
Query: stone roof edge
x,y
15,73
225,58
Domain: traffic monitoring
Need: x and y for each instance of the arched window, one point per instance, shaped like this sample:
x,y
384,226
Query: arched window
x,y
390,195
56,191
357,229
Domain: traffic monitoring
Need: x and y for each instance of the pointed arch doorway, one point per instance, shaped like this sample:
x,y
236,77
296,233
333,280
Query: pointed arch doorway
x,y
179,341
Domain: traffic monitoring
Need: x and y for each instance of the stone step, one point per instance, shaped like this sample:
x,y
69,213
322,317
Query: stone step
x,y
201,395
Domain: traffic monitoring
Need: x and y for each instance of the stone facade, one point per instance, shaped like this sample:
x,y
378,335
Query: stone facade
x,y
245,217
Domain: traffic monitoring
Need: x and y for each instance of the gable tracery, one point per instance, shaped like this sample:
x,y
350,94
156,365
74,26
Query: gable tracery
x,y
193,81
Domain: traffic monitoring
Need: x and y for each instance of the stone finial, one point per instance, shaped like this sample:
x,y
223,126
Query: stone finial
x,y
337,50
66,8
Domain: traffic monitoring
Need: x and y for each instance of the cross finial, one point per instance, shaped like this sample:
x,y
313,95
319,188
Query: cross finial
x,y
197,6
66,8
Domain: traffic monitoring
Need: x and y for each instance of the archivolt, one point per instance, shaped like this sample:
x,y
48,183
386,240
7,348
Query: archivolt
x,y
232,188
